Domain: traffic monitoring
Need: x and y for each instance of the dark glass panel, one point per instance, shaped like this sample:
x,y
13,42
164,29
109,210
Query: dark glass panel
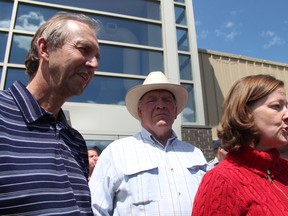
x,y
1,73
182,39
101,144
180,16
30,17
5,14
139,8
19,49
106,90
130,31
129,60
3,42
185,67
189,113
14,74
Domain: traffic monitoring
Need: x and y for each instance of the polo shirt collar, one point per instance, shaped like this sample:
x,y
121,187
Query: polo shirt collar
x,y
27,104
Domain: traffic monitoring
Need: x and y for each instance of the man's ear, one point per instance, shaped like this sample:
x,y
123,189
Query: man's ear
x,y
176,113
42,48
139,112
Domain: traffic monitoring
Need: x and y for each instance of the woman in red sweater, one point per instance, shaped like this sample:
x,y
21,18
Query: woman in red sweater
x,y
253,178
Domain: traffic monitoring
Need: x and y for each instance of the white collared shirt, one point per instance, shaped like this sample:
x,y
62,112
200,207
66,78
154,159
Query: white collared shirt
x,y
138,176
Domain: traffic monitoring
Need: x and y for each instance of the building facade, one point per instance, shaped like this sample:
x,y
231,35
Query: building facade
x,y
136,37
220,70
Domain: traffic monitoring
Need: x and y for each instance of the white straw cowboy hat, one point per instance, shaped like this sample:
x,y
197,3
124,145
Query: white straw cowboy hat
x,y
154,81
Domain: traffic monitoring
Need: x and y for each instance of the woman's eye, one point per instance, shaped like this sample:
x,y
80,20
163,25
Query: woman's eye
x,y
277,106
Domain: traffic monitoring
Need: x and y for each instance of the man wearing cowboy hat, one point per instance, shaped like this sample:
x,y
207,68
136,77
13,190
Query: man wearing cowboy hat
x,y
153,172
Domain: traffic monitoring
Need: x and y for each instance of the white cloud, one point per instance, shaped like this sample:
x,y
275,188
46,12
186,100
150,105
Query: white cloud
x,y
23,42
203,34
272,39
5,23
233,13
228,36
188,115
231,35
197,23
227,31
229,24
30,21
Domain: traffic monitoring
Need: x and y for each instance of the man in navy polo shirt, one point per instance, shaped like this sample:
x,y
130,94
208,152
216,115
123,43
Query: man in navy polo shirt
x,y
43,161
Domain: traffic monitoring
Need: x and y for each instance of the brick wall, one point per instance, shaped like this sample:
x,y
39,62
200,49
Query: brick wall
x,y
201,137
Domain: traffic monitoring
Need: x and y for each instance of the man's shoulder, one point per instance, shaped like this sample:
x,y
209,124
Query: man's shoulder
x,y
125,143
8,105
190,147
5,95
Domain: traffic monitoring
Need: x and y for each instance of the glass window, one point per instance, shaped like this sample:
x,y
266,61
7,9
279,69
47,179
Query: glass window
x,y
185,67
182,39
5,15
1,73
3,41
189,114
106,90
19,49
14,74
182,1
101,144
140,8
129,60
30,17
180,15
130,31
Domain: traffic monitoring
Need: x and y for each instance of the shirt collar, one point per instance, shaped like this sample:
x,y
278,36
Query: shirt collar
x,y
32,111
27,104
147,136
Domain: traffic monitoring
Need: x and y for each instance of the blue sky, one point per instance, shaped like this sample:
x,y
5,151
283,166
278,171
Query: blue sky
x,y
253,28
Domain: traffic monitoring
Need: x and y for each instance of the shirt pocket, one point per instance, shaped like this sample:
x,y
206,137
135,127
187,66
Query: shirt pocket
x,y
143,185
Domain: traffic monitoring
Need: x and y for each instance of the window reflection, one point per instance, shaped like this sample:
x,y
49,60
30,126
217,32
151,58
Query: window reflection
x,y
106,90
140,8
1,73
20,48
101,144
16,74
30,17
182,1
189,113
185,67
5,15
3,41
180,15
129,60
130,31
182,39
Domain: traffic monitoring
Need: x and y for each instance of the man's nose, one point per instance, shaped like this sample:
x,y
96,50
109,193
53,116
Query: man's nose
x,y
92,62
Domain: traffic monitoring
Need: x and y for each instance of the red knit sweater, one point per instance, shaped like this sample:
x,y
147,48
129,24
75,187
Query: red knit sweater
x,y
240,185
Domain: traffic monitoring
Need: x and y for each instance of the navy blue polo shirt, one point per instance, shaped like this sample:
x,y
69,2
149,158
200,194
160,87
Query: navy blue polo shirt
x,y
43,161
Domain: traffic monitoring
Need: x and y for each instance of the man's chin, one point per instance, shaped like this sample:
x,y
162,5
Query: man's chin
x,y
162,123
